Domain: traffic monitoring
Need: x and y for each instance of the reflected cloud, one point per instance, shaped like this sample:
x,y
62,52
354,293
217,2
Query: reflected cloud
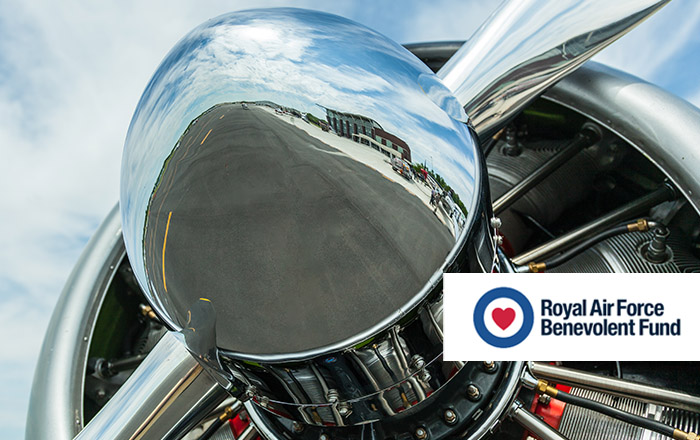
x,y
336,161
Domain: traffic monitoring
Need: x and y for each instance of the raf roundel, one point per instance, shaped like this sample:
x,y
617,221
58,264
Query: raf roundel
x,y
503,318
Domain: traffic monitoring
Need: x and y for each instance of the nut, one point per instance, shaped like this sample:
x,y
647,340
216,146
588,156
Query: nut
x,y
450,417
344,409
473,392
421,433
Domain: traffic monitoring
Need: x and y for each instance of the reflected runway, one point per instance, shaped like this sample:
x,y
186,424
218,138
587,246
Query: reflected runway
x,y
255,198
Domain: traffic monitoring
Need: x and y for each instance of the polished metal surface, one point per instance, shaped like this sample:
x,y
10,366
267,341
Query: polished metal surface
x,y
290,227
534,424
57,391
664,127
168,394
620,387
528,45
269,172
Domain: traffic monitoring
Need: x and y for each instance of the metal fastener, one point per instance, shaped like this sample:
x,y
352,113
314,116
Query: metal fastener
x,y
297,427
450,417
417,362
324,436
473,392
421,433
490,366
332,395
344,409
544,399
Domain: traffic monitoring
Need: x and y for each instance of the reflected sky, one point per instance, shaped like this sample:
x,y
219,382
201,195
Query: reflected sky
x,y
301,60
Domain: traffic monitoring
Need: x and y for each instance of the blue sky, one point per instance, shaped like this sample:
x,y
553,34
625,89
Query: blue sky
x,y
71,74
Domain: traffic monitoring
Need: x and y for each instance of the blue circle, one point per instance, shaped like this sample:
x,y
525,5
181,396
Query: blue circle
x,y
480,325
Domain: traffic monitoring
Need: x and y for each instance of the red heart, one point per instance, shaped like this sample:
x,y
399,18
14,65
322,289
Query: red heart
x,y
503,317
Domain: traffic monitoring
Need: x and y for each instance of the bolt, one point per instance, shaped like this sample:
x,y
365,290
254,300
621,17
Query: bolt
x,y
425,376
417,362
421,433
324,437
473,392
332,396
490,366
344,409
251,392
297,427
450,417
101,394
496,222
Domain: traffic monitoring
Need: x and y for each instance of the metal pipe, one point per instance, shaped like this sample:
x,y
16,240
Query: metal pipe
x,y
534,424
615,386
585,139
635,207
528,45
167,395
112,368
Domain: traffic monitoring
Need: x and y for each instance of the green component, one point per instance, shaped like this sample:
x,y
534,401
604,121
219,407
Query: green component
x,y
118,314
363,343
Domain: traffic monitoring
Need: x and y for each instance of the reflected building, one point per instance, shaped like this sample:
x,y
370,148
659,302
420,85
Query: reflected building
x,y
367,131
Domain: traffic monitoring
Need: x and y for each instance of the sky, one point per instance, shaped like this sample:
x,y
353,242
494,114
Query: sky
x,y
71,74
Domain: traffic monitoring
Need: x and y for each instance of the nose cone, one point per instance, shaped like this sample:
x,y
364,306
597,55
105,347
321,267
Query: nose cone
x,y
289,167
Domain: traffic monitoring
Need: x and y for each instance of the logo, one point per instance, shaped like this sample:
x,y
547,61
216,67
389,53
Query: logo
x,y
503,317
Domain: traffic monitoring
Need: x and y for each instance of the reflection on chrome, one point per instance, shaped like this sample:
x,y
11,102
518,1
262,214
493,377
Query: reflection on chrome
x,y
261,183
528,45
307,177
